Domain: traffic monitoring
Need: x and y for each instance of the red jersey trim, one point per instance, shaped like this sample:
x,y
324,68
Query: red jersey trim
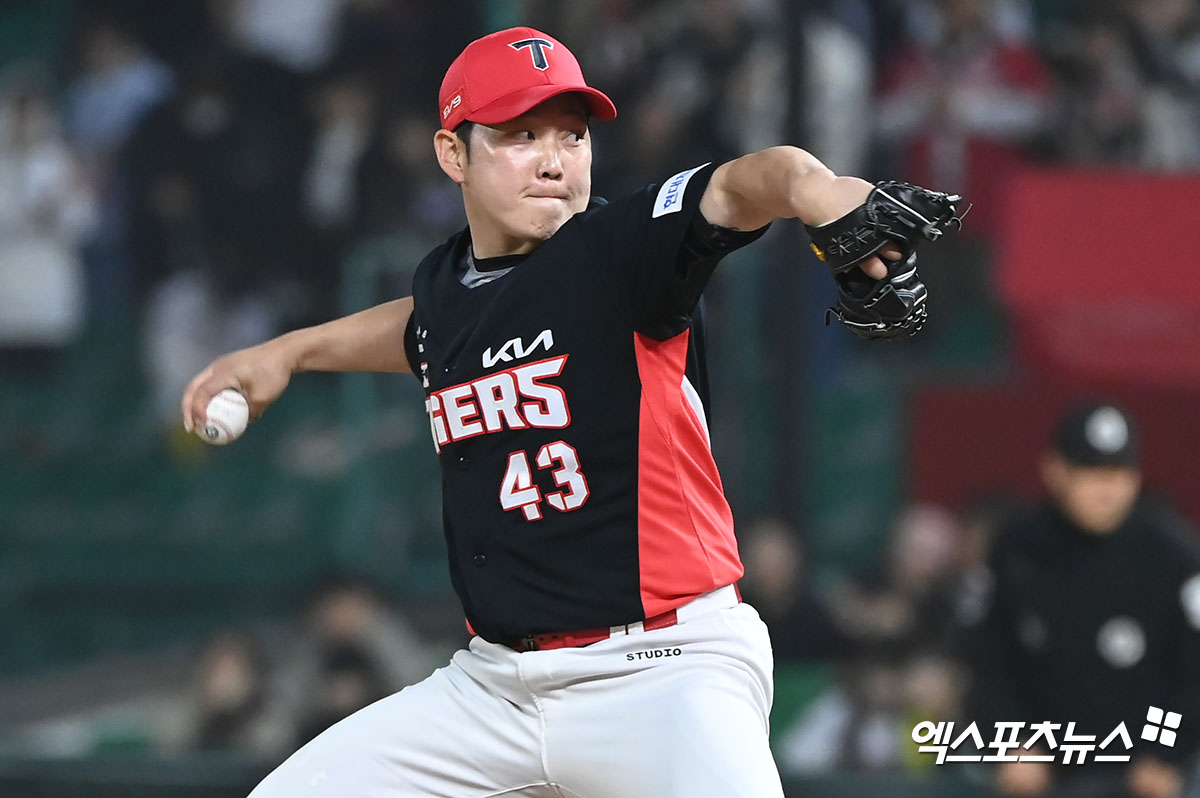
x,y
686,544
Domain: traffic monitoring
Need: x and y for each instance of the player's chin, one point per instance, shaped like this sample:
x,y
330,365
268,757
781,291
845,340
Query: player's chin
x,y
546,225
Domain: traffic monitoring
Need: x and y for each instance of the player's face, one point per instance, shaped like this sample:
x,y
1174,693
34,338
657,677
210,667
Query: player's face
x,y
1097,499
524,178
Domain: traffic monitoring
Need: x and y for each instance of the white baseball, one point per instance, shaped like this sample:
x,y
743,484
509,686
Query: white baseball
x,y
226,418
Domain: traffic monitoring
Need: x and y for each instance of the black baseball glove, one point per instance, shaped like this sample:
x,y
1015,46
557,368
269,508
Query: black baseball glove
x,y
894,213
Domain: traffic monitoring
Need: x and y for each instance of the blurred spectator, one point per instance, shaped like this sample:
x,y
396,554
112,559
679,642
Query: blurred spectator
x,y
964,104
344,108
982,521
45,209
236,134
1092,616
118,80
857,724
231,707
907,603
215,225
1166,41
348,679
347,129
401,190
171,37
896,665
297,34
389,39
934,685
1131,78
354,647
115,81
1100,112
778,586
1169,38
712,89
864,721
838,90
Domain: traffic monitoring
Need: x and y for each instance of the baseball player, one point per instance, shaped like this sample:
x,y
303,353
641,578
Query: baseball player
x,y
1089,613
559,342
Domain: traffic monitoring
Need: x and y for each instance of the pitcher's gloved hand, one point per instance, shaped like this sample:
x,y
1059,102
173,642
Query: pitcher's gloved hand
x,y
899,215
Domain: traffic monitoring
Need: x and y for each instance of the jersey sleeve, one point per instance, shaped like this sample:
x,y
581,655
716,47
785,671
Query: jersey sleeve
x,y
659,244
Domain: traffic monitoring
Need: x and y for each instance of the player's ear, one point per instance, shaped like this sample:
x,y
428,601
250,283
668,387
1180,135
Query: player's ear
x,y
451,155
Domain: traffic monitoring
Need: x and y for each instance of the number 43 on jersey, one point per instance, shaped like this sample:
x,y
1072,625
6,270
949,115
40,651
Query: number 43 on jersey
x,y
518,491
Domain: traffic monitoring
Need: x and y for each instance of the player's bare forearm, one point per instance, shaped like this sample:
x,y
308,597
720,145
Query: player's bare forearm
x,y
370,340
784,183
779,183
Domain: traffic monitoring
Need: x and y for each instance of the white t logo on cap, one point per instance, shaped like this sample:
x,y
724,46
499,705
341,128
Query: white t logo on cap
x,y
537,49
1106,430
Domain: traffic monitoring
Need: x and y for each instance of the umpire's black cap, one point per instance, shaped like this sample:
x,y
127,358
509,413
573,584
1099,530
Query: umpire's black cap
x,y
1097,433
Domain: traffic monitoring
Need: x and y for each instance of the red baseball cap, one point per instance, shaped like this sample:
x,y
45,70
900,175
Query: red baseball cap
x,y
504,74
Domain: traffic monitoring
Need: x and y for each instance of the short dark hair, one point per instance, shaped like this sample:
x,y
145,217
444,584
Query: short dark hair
x,y
463,131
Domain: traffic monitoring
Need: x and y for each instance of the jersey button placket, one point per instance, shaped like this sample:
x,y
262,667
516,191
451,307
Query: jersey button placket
x,y
480,560
464,463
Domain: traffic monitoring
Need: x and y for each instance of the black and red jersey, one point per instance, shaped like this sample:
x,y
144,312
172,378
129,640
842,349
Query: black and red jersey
x,y
567,402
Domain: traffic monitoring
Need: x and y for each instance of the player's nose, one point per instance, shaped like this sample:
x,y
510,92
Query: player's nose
x,y
550,160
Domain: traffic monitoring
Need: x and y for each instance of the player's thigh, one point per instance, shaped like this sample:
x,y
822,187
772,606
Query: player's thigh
x,y
693,725
446,737
701,734
712,741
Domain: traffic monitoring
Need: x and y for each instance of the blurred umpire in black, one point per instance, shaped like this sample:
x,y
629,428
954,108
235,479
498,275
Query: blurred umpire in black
x,y
1089,611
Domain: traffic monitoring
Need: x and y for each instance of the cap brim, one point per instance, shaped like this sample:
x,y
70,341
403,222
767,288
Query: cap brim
x,y
510,106
1124,459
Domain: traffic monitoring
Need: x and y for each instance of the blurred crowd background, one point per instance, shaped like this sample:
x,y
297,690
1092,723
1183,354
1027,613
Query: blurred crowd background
x,y
178,179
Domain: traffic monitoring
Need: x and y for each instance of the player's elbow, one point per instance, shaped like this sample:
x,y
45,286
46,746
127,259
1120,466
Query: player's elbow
x,y
778,182
795,161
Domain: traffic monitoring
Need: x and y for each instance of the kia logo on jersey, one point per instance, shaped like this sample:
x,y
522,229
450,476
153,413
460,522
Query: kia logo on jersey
x,y
545,338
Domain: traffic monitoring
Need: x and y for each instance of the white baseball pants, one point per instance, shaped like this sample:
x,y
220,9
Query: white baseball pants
x,y
679,712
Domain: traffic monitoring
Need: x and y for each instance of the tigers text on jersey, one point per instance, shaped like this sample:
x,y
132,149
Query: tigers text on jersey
x,y
566,400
